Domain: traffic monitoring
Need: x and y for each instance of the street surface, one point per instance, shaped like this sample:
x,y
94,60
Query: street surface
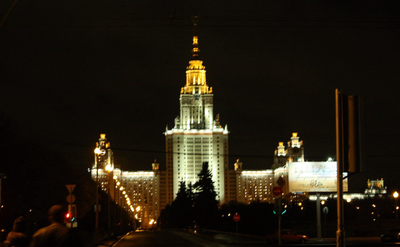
x,y
171,238
164,238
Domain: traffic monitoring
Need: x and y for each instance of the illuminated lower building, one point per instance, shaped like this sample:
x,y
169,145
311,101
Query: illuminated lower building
x,y
252,186
375,187
142,187
257,185
135,191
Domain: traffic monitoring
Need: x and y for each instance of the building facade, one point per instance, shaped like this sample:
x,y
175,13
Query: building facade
x,y
135,191
257,185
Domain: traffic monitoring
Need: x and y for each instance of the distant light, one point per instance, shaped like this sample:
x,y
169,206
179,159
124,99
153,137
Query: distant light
x,y
330,159
109,168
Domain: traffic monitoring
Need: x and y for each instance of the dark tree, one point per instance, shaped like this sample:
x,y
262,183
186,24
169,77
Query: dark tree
x,y
206,205
165,219
182,208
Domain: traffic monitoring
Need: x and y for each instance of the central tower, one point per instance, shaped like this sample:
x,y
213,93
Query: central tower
x,y
196,137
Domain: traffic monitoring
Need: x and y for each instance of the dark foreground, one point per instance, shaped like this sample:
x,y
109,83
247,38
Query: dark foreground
x,y
169,238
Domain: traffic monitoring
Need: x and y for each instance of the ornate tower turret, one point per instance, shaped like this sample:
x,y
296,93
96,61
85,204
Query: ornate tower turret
x,y
196,97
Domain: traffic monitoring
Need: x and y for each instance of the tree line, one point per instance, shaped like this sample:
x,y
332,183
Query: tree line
x,y
195,205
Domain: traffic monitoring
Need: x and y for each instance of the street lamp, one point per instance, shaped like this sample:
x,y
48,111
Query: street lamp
x,y
396,195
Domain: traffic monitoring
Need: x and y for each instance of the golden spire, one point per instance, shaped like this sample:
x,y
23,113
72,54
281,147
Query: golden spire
x,y
196,72
195,50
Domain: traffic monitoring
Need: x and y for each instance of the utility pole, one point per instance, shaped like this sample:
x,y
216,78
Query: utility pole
x,y
1,180
340,237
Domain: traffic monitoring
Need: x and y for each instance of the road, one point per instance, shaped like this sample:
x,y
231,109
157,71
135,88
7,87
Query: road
x,y
190,239
164,239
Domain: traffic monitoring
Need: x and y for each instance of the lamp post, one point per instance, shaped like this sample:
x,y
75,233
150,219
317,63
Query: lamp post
x,y
96,161
122,190
116,197
396,195
109,170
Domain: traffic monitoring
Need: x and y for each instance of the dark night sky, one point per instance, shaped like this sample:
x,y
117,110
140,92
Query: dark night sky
x,y
70,70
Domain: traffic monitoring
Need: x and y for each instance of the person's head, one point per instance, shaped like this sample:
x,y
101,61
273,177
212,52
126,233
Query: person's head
x,y
19,224
56,214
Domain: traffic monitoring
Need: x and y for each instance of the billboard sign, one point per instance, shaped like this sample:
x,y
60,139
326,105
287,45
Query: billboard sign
x,y
314,177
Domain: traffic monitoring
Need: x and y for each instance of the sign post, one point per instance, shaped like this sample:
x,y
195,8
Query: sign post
x,y
236,218
70,200
277,191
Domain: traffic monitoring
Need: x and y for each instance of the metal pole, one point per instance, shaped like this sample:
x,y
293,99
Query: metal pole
x,y
96,231
121,220
115,208
319,216
279,220
236,231
1,178
340,241
70,208
97,193
109,203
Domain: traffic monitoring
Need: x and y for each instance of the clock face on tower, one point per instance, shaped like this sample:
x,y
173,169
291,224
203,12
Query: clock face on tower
x,y
296,150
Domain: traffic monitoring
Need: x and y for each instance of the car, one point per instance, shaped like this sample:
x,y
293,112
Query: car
x,y
392,235
288,236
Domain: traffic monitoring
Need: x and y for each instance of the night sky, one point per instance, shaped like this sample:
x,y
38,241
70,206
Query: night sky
x,y
70,70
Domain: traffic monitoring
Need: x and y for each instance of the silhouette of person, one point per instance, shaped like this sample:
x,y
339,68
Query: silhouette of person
x,y
18,237
54,235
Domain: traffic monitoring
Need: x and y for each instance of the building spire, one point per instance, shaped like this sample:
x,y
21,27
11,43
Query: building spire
x,y
195,49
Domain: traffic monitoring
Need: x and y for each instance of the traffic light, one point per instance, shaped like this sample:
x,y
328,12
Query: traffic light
x,y
67,218
278,207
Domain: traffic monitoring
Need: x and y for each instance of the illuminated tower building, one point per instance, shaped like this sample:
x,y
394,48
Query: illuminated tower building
x,y
293,153
103,163
295,149
196,137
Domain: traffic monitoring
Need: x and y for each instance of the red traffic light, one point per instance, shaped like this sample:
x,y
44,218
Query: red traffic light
x,y
67,215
